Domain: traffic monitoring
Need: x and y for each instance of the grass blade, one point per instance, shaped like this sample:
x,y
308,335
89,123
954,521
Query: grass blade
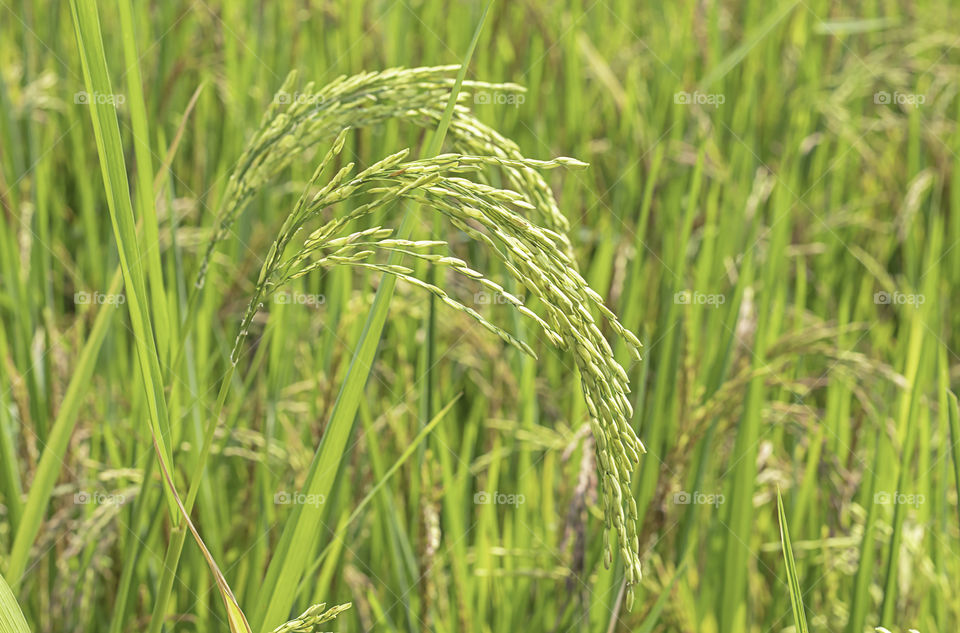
x,y
11,618
144,177
793,581
953,412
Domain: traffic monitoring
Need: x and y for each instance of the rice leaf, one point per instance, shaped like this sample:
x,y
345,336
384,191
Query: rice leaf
x,y
793,581
953,414
11,617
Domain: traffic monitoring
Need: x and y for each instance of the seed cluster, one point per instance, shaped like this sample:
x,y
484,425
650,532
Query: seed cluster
x,y
292,126
519,224
309,620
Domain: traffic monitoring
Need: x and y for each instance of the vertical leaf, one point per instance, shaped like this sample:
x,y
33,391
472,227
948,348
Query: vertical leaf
x,y
953,413
793,581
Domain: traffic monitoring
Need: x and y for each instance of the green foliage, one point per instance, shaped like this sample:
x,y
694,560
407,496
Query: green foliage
x,y
322,255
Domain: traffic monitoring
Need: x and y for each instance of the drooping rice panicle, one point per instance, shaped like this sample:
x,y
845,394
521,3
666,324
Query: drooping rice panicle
x,y
299,118
313,617
536,256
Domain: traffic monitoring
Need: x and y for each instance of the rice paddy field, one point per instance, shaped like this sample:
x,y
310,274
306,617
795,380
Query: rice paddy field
x,y
465,316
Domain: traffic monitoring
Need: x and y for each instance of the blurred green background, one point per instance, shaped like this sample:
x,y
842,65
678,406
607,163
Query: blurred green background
x,y
773,206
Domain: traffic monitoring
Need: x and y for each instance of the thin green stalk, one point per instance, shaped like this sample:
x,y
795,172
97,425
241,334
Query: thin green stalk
x,y
953,411
793,580
178,536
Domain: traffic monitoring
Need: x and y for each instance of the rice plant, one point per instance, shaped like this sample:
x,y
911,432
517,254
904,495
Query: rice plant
x,y
328,316
536,256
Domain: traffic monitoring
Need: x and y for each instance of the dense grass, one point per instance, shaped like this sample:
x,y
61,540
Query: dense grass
x,y
772,206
